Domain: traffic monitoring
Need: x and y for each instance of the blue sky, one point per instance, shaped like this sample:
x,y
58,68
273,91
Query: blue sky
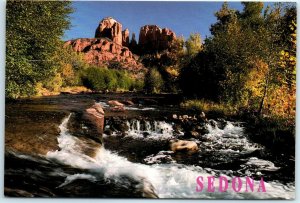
x,y
181,17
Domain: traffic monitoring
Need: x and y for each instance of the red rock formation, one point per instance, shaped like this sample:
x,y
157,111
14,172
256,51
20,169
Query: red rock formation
x,y
125,37
152,38
100,51
111,29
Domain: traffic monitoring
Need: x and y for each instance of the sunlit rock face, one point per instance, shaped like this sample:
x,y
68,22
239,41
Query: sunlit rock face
x,y
101,51
125,37
111,29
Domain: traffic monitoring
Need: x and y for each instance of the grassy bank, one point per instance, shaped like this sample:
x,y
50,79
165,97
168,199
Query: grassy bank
x,y
209,107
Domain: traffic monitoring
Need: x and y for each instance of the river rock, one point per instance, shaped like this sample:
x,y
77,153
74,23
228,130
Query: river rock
x,y
117,109
221,123
96,115
202,117
193,134
185,117
184,146
114,103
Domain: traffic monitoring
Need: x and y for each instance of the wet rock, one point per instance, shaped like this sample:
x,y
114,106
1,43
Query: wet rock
x,y
117,109
118,125
114,103
193,134
184,146
108,131
145,134
116,106
96,115
185,117
202,130
213,123
202,117
177,128
221,123
160,157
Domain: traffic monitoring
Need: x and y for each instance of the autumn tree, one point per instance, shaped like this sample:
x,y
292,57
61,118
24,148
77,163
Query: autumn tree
x,y
239,62
193,44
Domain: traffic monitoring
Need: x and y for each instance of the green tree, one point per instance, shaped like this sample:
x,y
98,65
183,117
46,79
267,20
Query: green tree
x,y
153,81
224,16
33,35
252,14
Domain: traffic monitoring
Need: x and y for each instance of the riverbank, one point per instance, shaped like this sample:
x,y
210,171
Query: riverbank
x,y
274,132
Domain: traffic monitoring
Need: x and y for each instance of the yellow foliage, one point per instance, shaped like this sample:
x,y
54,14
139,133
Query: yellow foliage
x,y
172,71
67,70
256,80
282,102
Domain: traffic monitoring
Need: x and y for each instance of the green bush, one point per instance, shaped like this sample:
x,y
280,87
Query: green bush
x,y
93,78
102,79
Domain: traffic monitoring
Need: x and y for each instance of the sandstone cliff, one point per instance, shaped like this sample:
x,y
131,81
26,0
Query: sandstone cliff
x,y
101,51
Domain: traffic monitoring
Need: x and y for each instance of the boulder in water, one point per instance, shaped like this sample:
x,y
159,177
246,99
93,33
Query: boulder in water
x,y
96,115
184,146
114,103
117,108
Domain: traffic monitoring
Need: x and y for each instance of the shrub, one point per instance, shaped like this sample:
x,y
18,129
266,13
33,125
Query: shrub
x,y
93,78
101,79
209,107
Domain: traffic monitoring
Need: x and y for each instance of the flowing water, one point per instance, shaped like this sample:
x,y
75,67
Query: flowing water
x,y
156,171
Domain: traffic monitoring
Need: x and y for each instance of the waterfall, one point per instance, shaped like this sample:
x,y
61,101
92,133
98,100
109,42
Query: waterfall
x,y
153,129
